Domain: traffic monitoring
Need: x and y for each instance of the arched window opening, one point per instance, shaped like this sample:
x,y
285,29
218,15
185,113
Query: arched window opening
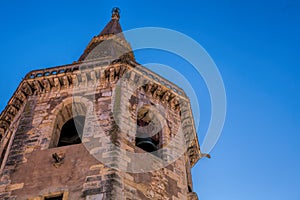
x,y
148,135
71,132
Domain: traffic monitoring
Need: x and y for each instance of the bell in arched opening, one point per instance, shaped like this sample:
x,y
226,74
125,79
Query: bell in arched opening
x,y
147,144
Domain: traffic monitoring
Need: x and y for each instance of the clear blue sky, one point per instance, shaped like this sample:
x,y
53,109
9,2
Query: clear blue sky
x,y
255,44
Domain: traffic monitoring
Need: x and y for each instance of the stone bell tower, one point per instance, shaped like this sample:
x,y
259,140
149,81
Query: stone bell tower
x,y
104,127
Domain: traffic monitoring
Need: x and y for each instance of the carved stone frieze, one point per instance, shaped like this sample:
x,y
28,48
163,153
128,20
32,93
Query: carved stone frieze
x,y
99,73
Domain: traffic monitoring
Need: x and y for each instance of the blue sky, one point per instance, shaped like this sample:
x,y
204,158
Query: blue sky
x,y
255,45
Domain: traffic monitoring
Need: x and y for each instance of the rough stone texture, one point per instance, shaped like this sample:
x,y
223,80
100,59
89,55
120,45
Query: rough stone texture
x,y
28,169
44,177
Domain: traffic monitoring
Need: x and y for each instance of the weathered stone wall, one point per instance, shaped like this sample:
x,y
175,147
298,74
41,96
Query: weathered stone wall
x,y
48,102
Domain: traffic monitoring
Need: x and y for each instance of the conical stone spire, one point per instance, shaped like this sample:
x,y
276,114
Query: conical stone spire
x,y
110,43
113,27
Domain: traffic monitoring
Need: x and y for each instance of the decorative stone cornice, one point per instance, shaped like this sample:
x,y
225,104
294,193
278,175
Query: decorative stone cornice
x,y
44,81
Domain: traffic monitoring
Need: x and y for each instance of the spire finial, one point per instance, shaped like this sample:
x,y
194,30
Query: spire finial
x,y
116,13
